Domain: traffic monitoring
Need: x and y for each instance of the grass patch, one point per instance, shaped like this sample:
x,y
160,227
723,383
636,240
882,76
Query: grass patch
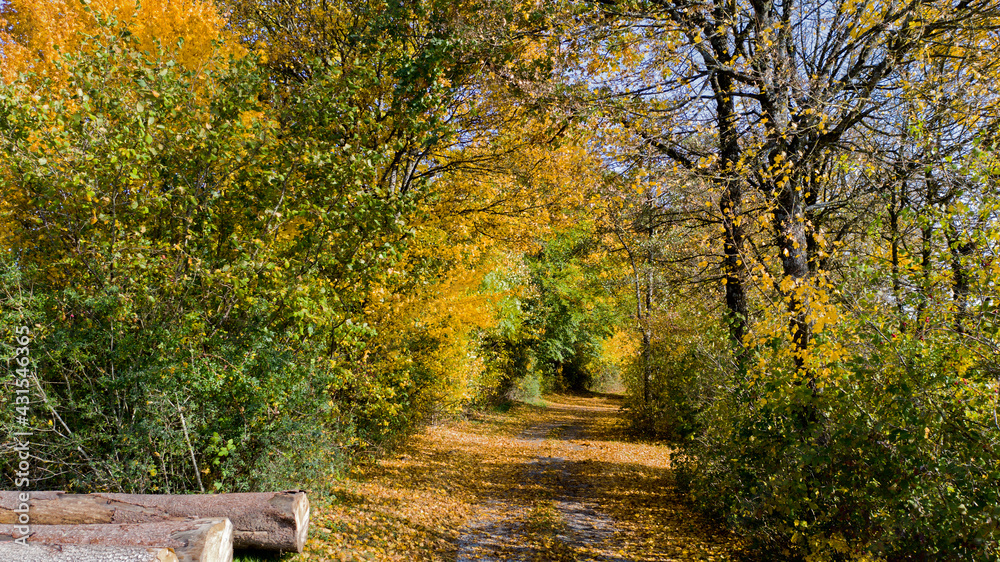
x,y
260,556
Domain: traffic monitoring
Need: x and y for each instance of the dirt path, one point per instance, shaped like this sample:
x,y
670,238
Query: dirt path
x,y
551,483
562,516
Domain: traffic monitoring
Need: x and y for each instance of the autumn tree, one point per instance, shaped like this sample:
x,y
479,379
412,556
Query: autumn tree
x,y
248,226
790,112
772,93
36,34
316,225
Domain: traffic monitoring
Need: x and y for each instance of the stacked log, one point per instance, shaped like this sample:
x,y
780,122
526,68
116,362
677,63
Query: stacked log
x,y
266,520
192,540
151,528
83,553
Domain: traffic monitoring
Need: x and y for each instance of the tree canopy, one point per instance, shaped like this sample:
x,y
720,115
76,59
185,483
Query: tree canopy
x,y
254,240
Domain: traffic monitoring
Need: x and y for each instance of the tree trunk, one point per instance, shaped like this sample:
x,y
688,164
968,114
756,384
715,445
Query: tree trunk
x,y
647,331
926,252
84,553
647,367
960,276
789,221
730,206
267,520
194,540
790,226
895,237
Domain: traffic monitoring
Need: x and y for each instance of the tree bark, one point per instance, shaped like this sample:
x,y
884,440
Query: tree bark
x,y
789,221
932,198
266,521
647,366
193,540
895,238
730,204
84,553
960,275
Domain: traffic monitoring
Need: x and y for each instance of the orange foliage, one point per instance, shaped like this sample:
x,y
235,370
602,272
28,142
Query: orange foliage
x,y
37,31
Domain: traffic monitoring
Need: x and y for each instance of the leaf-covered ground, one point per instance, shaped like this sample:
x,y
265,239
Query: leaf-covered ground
x,y
537,483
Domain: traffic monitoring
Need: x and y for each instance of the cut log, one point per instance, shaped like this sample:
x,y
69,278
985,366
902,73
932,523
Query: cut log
x,y
83,553
194,540
266,521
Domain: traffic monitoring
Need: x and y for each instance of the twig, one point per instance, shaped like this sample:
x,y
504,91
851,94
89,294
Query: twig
x,y
194,462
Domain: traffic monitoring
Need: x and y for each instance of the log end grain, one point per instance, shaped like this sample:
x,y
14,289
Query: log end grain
x,y
220,544
301,510
208,540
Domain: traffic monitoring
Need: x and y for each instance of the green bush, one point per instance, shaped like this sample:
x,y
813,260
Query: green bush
x,y
689,364
894,458
195,273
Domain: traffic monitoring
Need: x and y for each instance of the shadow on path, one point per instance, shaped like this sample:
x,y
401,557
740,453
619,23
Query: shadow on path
x,y
554,483
581,494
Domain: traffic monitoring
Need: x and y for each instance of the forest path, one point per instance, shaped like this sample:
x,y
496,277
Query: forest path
x,y
557,482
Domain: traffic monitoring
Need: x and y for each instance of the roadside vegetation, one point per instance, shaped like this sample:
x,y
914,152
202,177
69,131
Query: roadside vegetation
x,y
251,244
